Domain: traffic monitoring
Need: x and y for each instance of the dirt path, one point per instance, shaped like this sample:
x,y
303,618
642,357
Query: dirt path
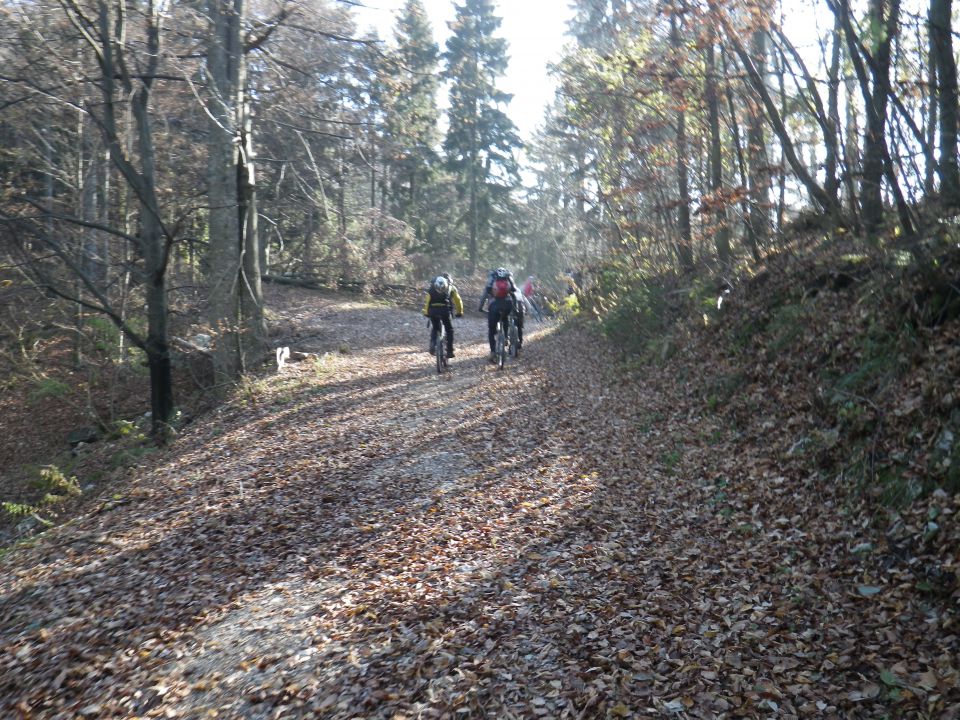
x,y
357,537
316,534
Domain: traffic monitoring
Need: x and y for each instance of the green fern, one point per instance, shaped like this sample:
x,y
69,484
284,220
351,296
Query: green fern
x,y
18,509
55,487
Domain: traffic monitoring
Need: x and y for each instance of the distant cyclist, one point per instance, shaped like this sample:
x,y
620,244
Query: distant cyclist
x,y
520,312
502,293
529,293
442,299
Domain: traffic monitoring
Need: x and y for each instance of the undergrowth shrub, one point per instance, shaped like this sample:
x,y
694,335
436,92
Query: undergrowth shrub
x,y
631,307
855,389
896,439
54,488
785,327
721,388
320,365
48,387
103,334
130,429
707,299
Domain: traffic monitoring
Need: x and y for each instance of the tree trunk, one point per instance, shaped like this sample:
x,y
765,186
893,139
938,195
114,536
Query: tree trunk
x,y
735,140
824,116
930,100
759,190
877,163
851,148
874,139
941,40
224,259
236,314
254,325
474,209
684,246
154,244
721,231
831,183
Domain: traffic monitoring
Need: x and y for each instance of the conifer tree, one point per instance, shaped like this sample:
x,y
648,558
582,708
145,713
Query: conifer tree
x,y
481,139
411,113
595,24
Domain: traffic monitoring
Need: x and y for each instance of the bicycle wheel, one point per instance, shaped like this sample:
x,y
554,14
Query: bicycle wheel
x,y
514,338
441,350
501,346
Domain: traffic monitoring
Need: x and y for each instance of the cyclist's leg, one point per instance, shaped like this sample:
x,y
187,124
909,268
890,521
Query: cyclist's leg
x,y
512,310
519,320
493,317
434,331
448,326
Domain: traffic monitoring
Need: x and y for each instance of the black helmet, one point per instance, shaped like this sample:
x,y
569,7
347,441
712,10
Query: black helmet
x,y
501,273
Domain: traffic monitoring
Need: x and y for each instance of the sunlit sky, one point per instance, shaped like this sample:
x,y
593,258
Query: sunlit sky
x,y
534,30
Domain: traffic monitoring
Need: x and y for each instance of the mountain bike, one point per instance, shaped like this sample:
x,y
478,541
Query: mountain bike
x,y
508,338
440,350
535,306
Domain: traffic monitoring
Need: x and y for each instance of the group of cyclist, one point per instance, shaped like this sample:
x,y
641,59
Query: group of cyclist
x,y
443,301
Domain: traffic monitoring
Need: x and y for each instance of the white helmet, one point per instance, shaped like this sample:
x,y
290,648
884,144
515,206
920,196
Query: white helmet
x,y
440,283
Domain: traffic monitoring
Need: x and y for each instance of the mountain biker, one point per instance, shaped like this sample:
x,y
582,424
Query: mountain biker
x,y
520,312
442,299
502,293
529,291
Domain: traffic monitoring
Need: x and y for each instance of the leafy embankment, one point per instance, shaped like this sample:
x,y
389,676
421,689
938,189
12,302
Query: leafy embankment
x,y
826,386
356,537
843,366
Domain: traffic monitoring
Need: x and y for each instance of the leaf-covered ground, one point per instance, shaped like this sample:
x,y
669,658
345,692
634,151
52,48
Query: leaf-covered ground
x,y
356,537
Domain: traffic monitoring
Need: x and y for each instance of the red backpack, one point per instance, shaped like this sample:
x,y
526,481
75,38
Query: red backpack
x,y
501,288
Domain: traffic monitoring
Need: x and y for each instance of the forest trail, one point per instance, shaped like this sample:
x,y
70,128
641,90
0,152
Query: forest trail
x,y
358,537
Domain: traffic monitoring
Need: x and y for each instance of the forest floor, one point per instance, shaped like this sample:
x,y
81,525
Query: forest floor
x,y
354,536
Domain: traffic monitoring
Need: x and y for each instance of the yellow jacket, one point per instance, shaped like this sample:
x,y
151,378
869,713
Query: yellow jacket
x,y
454,298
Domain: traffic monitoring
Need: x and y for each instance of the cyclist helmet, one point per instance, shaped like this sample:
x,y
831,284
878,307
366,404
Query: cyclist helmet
x,y
501,273
440,283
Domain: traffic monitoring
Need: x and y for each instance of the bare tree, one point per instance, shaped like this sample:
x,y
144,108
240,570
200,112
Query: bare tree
x,y
126,71
236,303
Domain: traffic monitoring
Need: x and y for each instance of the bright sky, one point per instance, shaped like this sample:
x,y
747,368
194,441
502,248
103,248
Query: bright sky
x,y
534,30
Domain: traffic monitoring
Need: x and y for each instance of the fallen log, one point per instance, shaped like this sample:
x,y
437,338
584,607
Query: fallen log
x,y
296,281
